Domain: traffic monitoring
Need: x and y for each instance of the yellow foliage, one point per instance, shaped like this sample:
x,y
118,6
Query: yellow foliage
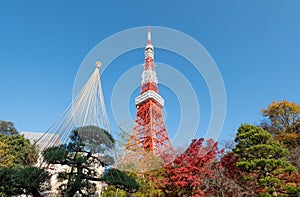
x,y
280,106
5,158
291,140
283,117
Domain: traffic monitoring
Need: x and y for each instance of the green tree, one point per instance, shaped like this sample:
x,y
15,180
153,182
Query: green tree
x,y
148,185
111,190
17,180
152,184
7,128
262,158
18,176
96,140
20,149
84,164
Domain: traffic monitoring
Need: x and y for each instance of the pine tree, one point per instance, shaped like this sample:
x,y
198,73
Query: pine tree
x,y
263,158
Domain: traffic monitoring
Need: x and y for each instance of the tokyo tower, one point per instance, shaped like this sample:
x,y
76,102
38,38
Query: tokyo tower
x,y
149,134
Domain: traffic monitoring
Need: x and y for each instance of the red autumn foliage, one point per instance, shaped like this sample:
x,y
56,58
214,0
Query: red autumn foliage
x,y
228,162
185,175
228,180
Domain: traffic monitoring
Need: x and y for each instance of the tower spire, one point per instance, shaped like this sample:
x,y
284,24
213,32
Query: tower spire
x,y
149,79
149,35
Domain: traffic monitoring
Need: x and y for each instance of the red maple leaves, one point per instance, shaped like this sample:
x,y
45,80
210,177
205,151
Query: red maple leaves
x,y
186,174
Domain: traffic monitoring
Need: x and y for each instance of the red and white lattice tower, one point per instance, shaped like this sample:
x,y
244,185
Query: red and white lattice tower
x,y
149,134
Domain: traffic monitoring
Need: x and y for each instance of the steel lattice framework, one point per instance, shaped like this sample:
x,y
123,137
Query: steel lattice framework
x,y
149,134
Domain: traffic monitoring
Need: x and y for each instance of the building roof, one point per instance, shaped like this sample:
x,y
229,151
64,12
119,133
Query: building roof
x,y
43,139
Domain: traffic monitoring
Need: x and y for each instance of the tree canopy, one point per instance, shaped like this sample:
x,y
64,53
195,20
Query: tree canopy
x,y
20,149
16,179
187,174
282,120
282,117
7,128
262,157
17,155
85,165
95,139
5,158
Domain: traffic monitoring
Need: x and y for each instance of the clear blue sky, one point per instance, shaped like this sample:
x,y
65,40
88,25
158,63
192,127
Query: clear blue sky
x,y
256,45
